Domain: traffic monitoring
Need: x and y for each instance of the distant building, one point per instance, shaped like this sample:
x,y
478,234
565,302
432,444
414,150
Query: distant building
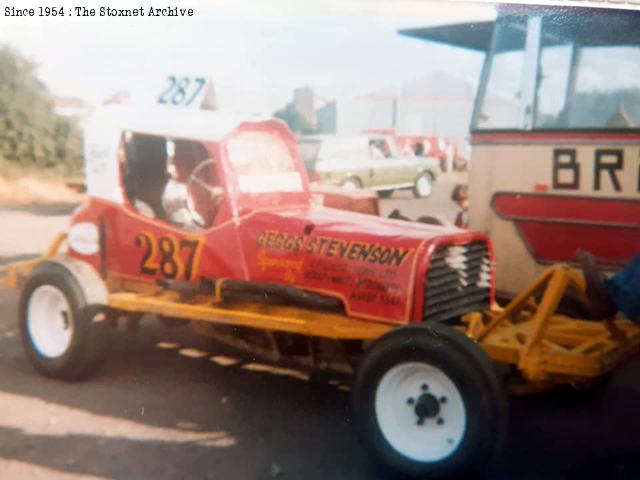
x,y
434,104
73,108
121,97
327,118
351,116
303,103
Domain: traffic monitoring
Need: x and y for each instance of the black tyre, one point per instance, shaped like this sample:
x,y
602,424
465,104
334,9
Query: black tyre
x,y
385,193
427,403
63,336
423,185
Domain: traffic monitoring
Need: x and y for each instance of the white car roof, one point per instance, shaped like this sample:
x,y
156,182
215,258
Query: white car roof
x,y
104,130
204,125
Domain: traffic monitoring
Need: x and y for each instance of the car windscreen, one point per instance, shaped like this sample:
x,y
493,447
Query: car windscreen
x,y
263,163
343,150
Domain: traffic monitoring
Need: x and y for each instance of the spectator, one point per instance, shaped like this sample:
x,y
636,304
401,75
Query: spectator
x,y
375,151
460,196
386,150
620,292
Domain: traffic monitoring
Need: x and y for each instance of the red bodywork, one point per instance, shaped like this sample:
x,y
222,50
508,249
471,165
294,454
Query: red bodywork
x,y
374,264
555,227
361,201
431,143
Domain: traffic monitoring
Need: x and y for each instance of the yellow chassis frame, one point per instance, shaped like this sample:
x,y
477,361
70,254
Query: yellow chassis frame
x,y
548,349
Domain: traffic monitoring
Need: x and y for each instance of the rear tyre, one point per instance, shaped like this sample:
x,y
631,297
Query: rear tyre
x,y
385,193
423,185
427,403
63,336
351,183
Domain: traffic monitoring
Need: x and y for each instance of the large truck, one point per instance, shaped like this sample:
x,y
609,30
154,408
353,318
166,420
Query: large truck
x,y
555,134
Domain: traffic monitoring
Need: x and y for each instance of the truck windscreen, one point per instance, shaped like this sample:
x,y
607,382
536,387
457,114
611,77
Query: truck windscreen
x,y
562,71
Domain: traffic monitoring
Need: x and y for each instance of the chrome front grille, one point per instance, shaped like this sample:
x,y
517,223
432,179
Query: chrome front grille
x,y
458,281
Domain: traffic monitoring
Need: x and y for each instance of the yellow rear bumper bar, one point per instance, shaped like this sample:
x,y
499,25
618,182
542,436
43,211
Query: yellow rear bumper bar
x,y
548,348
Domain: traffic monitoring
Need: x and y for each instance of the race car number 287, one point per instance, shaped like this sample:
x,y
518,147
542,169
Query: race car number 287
x,y
172,258
181,90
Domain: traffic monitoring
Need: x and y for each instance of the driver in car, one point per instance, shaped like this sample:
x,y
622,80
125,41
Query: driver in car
x,y
174,196
188,197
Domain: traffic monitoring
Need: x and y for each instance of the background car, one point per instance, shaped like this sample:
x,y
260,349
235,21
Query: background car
x,y
367,162
444,149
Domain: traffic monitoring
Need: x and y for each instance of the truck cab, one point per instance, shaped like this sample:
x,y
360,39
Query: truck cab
x,y
555,136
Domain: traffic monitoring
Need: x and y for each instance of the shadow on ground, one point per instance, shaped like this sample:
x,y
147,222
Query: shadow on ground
x,y
45,209
282,427
4,259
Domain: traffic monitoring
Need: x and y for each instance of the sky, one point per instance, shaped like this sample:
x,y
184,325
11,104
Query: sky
x,y
255,52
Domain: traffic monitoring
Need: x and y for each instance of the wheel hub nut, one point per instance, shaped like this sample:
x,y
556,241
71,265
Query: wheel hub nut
x,y
427,406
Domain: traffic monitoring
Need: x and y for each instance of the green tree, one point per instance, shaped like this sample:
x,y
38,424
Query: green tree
x,y
296,122
32,135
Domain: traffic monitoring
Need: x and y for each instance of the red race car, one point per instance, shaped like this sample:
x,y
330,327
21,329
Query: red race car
x,y
208,218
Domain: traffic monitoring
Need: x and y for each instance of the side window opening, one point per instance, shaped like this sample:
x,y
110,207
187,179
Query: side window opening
x,y
172,180
376,149
144,175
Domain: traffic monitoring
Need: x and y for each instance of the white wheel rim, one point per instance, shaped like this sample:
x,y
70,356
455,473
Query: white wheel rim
x,y
350,185
397,396
49,321
423,185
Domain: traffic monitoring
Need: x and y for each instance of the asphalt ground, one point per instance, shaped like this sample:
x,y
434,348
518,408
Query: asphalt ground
x,y
169,404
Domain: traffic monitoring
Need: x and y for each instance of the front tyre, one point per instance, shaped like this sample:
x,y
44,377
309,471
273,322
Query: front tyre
x,y
63,336
351,184
427,403
423,185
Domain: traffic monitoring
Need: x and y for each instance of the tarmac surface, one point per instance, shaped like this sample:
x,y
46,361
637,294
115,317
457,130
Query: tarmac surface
x,y
169,404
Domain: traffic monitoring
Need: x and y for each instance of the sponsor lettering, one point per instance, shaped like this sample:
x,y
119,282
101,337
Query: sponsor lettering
x,y
371,253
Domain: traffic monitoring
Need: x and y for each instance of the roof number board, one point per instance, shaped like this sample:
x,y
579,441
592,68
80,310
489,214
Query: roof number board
x,y
186,91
